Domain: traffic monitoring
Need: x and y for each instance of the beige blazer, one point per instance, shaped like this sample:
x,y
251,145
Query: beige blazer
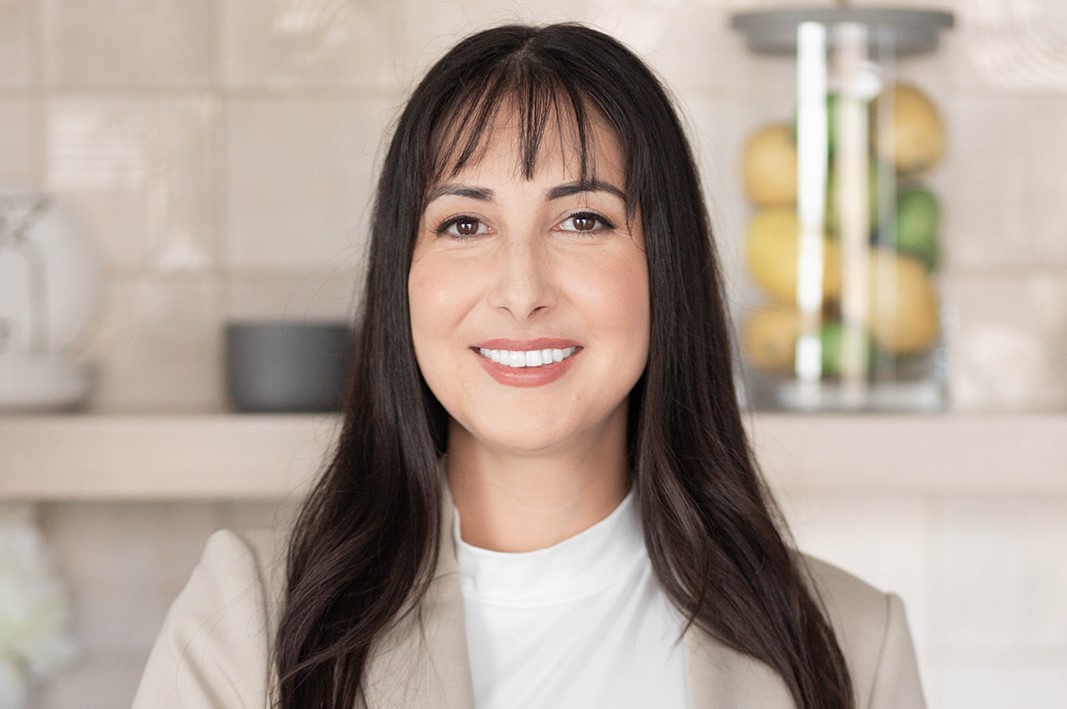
x,y
214,648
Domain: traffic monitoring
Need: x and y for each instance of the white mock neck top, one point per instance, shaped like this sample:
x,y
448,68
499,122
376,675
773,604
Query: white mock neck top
x,y
579,624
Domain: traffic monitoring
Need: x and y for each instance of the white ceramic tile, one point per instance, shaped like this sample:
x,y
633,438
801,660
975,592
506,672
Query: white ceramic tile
x,y
126,43
882,539
689,44
1007,340
20,142
1012,45
125,564
156,345
303,297
432,27
104,681
1001,574
144,174
19,42
1007,682
292,43
300,176
1003,182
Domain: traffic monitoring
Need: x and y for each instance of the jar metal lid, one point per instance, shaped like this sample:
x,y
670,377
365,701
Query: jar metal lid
x,y
910,31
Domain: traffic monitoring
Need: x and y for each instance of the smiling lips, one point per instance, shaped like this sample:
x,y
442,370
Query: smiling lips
x,y
526,363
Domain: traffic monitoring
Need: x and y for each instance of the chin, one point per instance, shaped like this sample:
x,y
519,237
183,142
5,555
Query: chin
x,y
522,438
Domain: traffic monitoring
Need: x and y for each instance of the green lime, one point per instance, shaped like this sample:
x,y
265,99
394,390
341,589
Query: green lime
x,y
918,223
831,343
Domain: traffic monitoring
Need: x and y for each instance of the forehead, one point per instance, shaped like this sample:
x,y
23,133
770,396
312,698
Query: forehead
x,y
515,141
559,157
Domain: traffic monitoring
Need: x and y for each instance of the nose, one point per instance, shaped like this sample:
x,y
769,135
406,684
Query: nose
x,y
524,285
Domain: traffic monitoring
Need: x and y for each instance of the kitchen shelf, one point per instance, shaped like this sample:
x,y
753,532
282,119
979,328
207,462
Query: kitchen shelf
x,y
146,457
257,456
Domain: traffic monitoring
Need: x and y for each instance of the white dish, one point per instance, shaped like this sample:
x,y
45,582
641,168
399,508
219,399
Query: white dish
x,y
44,384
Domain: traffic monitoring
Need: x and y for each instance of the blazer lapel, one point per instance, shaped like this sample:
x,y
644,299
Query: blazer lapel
x,y
719,677
422,662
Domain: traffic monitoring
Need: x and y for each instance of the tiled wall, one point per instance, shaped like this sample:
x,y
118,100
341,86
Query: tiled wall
x,y
221,156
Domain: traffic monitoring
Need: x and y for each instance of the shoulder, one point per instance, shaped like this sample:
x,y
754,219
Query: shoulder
x,y
238,569
253,555
214,647
872,630
851,602
247,570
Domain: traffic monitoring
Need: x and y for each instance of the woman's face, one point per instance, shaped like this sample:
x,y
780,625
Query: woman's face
x,y
529,298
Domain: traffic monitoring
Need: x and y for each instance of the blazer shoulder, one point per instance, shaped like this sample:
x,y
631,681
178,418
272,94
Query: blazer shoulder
x,y
872,629
262,549
214,647
849,598
243,566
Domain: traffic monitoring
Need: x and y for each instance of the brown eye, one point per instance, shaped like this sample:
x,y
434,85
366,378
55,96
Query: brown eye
x,y
587,223
467,227
583,222
461,227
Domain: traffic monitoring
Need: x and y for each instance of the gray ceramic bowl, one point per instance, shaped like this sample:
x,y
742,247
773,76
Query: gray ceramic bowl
x,y
287,366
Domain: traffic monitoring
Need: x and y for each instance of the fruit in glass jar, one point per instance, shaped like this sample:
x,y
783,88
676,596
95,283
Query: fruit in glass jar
x,y
918,132
833,221
917,224
769,167
904,315
771,250
769,337
831,339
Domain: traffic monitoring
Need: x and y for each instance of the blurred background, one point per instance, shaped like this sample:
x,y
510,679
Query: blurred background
x,y
219,158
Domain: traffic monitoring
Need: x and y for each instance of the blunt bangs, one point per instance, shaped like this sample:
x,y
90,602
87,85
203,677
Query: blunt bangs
x,y
522,87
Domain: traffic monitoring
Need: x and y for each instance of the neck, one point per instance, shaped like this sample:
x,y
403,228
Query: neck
x,y
515,502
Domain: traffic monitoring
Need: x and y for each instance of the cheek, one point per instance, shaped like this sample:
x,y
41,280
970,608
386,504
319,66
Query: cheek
x,y
616,299
438,298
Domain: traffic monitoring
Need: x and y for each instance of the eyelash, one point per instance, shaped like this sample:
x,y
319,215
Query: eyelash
x,y
442,229
447,224
606,224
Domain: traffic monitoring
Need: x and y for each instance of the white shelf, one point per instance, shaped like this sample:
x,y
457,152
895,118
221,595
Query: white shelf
x,y
161,457
990,453
229,456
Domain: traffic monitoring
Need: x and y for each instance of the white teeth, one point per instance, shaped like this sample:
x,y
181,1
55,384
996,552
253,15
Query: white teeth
x,y
526,358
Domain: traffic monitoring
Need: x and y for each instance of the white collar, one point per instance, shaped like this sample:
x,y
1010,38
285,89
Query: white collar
x,y
610,551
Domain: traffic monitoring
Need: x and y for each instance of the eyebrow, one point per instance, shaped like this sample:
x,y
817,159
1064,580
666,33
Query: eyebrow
x,y
565,190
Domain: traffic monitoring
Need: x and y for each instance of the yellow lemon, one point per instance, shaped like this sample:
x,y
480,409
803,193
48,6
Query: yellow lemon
x,y
918,132
769,338
769,166
904,317
771,247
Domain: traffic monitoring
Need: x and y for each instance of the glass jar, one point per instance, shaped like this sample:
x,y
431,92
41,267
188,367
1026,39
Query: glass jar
x,y
843,308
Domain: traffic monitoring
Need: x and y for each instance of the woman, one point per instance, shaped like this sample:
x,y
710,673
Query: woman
x,y
543,494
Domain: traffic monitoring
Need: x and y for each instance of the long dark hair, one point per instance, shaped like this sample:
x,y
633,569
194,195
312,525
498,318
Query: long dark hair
x,y
365,544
